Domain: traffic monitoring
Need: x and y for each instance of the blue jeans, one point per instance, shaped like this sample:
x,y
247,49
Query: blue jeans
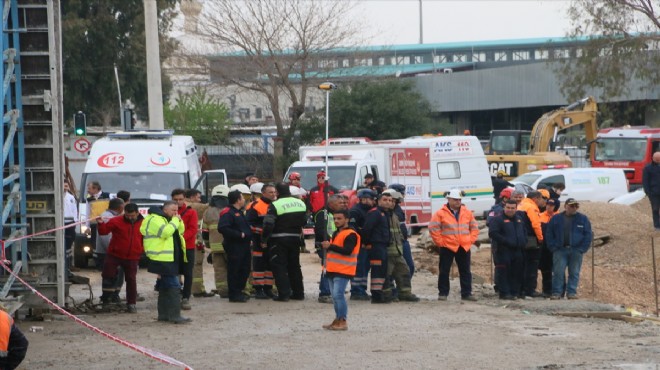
x,y
169,281
562,258
338,287
324,285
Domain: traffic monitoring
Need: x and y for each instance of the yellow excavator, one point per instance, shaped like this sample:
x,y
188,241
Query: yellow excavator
x,y
517,152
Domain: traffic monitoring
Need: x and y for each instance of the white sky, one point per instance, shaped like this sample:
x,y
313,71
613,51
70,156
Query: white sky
x,y
397,21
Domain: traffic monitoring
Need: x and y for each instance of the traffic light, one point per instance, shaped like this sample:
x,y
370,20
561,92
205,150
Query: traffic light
x,y
79,124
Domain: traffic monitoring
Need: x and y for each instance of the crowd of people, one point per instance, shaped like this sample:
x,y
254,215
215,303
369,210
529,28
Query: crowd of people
x,y
254,232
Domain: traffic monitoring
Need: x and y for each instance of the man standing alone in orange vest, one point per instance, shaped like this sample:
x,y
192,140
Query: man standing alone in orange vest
x,y
454,230
341,262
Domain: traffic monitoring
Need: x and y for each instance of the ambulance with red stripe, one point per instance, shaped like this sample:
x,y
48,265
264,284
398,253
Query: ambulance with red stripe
x,y
427,166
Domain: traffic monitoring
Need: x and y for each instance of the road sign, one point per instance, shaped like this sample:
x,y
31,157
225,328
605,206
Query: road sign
x,y
82,145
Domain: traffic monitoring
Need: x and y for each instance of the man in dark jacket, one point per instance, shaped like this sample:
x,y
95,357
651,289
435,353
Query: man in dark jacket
x,y
283,235
376,238
358,215
569,237
508,232
124,251
163,243
651,183
237,239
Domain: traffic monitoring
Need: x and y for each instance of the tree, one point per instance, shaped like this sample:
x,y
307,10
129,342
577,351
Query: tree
x,y
96,36
381,109
199,115
273,44
621,46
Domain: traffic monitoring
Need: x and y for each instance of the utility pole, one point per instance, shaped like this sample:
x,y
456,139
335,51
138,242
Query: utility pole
x,y
154,86
421,24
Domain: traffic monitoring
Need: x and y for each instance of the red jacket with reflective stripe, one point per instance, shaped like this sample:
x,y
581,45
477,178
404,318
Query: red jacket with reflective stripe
x,y
345,263
447,232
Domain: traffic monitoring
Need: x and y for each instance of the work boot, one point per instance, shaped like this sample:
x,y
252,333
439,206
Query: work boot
x,y
185,304
408,297
325,299
261,294
360,297
469,298
328,326
339,324
163,310
131,308
269,293
174,306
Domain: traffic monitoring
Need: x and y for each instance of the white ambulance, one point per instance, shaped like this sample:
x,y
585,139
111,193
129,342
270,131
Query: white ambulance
x,y
149,165
427,166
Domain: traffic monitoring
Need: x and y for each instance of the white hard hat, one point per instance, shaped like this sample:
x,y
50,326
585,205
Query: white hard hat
x,y
455,194
294,190
393,193
256,187
241,187
220,190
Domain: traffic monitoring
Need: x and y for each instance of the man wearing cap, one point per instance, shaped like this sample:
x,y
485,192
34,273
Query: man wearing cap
x,y
237,239
397,267
317,195
532,251
499,183
371,182
358,214
454,230
282,233
545,263
569,237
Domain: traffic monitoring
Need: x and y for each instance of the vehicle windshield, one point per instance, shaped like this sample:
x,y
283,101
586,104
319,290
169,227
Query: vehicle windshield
x,y
527,178
623,149
156,186
341,177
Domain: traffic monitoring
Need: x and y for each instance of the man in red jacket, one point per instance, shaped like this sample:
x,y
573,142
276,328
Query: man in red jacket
x,y
124,250
191,223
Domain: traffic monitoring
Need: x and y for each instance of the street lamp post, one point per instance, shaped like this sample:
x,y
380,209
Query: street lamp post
x,y
327,87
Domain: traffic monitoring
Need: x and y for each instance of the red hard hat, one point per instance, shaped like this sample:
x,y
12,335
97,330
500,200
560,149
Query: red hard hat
x,y
294,176
320,174
506,193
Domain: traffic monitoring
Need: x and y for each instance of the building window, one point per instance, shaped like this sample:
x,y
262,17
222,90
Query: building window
x,y
419,59
460,57
560,53
363,62
500,56
345,63
442,58
521,55
540,54
257,113
381,61
399,60
479,57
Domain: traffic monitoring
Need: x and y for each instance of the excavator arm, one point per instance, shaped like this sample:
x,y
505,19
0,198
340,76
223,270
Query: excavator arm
x,y
582,112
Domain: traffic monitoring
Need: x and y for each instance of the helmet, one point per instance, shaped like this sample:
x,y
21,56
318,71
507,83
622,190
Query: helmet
x,y
295,191
320,174
220,190
256,187
506,193
294,176
241,187
398,187
366,193
393,193
544,193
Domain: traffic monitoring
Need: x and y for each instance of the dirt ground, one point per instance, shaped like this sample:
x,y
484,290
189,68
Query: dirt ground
x,y
273,335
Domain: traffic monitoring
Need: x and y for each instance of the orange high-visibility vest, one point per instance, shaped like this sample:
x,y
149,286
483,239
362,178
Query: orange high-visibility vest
x,y
341,263
6,322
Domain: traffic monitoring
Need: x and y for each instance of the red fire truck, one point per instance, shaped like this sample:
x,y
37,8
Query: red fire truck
x,y
629,147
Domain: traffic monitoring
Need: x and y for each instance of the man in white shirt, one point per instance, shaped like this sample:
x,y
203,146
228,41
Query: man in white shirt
x,y
70,217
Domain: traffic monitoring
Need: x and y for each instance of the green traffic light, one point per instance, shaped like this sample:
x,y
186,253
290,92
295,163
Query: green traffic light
x,y
80,131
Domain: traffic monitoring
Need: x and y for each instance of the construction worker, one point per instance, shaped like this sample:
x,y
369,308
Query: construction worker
x,y
508,231
341,259
13,344
324,226
237,237
407,251
193,198
191,224
532,251
255,192
210,222
454,230
397,267
262,276
282,234
376,239
165,247
358,214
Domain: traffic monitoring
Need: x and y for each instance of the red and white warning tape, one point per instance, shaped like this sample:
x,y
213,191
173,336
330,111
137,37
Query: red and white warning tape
x,y
145,351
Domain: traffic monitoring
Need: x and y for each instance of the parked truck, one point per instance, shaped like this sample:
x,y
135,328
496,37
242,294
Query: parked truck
x,y
427,166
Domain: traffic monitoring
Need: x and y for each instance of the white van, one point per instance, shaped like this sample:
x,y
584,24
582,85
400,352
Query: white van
x,y
148,164
583,184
